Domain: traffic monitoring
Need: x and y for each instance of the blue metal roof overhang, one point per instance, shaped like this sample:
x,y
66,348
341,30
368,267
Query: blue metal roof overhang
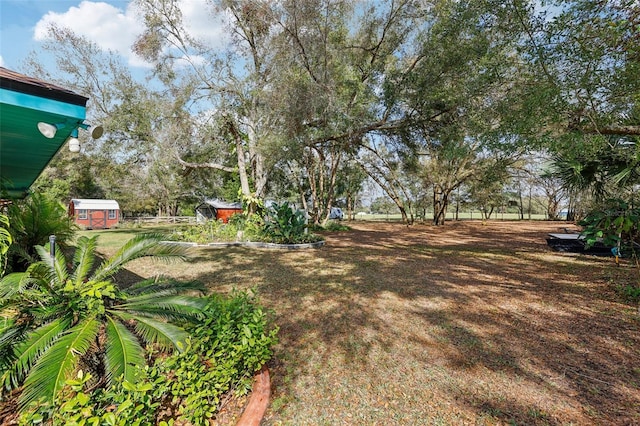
x,y
24,151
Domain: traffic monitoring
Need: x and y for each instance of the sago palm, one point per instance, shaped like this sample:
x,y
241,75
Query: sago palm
x,y
56,319
33,220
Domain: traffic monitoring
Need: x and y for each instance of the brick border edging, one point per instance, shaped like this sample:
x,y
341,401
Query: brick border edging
x,y
258,401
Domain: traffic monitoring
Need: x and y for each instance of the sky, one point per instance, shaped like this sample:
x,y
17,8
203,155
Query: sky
x,y
111,24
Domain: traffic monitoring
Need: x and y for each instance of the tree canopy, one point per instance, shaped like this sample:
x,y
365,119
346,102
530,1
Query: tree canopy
x,y
308,95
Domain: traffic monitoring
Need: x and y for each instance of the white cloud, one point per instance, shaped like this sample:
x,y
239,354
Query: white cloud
x,y
109,27
115,29
203,22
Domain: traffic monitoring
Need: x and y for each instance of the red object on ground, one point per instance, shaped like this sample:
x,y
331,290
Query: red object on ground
x,y
258,401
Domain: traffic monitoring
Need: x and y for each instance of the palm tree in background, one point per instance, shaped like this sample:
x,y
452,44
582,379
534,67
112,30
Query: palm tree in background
x,y
609,168
33,220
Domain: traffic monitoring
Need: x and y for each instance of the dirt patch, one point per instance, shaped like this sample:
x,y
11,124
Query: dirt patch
x,y
469,323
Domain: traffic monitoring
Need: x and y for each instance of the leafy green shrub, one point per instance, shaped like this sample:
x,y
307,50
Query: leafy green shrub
x,y
249,226
227,348
231,343
334,226
123,404
239,225
281,225
616,224
631,293
284,225
200,233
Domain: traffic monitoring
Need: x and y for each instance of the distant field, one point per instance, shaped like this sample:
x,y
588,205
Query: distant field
x,y
451,216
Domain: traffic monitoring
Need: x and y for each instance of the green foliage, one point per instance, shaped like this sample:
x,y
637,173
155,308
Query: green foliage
x,y
71,176
57,318
281,225
251,203
285,225
248,227
122,404
616,224
232,341
631,293
383,205
334,226
210,231
600,165
5,242
33,220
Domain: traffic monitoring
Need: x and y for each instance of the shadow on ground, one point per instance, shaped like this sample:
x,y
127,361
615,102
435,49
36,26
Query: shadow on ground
x,y
469,323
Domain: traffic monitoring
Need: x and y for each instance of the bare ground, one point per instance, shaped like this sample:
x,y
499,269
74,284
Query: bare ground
x,y
469,323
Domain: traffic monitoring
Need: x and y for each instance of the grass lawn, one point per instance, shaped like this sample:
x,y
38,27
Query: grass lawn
x,y
111,239
465,324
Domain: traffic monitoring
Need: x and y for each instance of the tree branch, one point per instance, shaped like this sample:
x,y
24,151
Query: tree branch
x,y
205,165
619,130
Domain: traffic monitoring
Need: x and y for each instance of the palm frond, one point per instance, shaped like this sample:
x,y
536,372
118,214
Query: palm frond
x,y
573,174
55,366
45,309
28,351
153,331
7,325
42,276
166,307
164,286
57,264
124,355
47,273
139,246
169,252
13,284
22,254
10,335
83,258
5,236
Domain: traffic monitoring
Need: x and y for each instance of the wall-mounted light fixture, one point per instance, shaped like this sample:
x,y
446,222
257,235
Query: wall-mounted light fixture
x,y
74,143
95,131
49,130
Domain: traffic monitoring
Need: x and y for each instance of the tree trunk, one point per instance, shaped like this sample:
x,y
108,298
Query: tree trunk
x,y
521,203
440,204
333,173
258,173
242,167
388,182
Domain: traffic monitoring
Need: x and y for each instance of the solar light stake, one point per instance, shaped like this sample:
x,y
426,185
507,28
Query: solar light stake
x,y
52,246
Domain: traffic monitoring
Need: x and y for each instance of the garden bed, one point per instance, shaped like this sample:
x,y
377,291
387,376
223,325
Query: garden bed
x,y
251,244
